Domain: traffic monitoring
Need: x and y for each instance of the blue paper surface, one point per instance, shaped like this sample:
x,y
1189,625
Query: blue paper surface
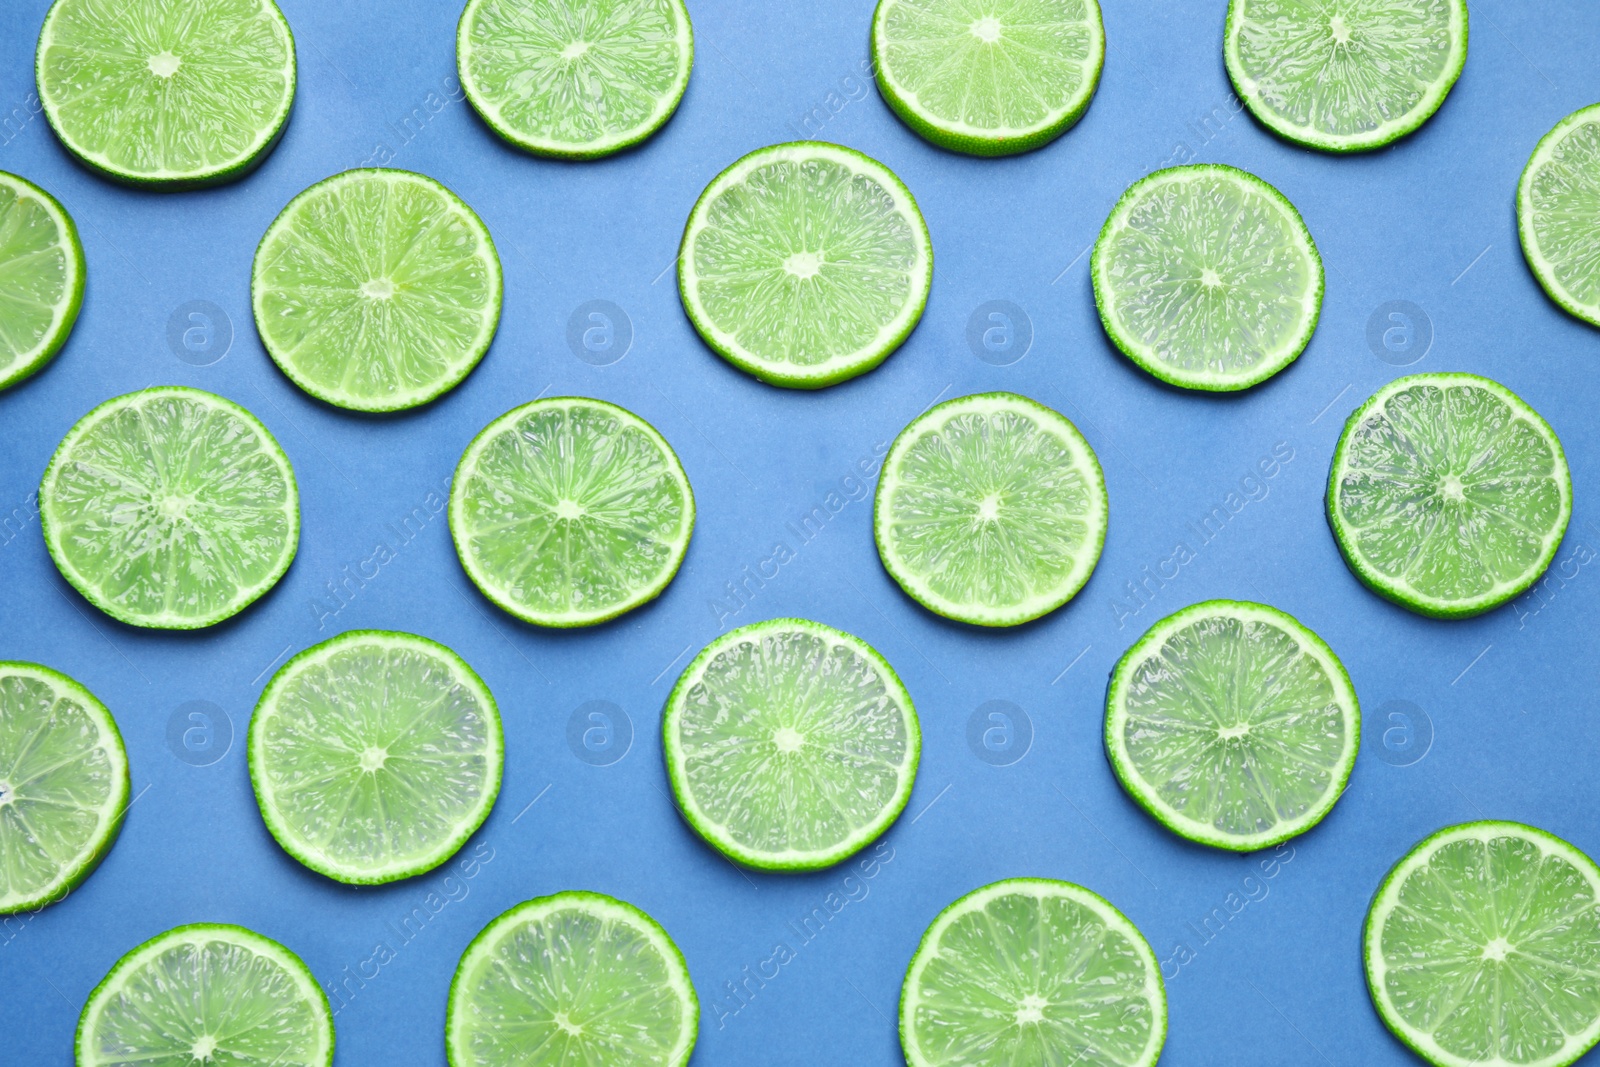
x,y
1492,717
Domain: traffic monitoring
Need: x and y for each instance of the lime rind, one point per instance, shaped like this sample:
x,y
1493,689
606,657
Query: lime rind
x,y
1384,133
491,109
840,367
1547,271
958,135
25,365
1386,900
397,868
1040,602
718,835
1403,593
1148,796
1148,357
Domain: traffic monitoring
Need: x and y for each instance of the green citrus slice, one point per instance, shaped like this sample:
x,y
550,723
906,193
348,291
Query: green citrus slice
x,y
1032,971
155,93
1345,75
376,290
805,264
574,978
207,993
790,745
1448,495
988,77
570,511
170,508
1232,725
575,79
375,755
41,278
63,785
991,509
1558,213
1207,277
1482,948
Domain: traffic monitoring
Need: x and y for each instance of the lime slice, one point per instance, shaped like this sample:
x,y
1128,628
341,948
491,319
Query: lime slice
x,y
574,978
1032,971
41,278
988,77
790,745
155,93
1232,725
1482,947
991,509
1345,75
1207,277
575,79
63,785
1448,495
376,290
207,993
375,756
805,264
170,508
570,511
1558,213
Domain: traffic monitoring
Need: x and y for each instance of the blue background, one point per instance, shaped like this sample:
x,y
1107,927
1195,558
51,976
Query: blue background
x,y
1430,220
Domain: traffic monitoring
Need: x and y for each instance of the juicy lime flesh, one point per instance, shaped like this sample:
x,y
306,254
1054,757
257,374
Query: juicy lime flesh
x,y
1493,948
57,779
154,89
792,742
168,506
1209,275
37,271
378,289
573,509
1564,192
1449,492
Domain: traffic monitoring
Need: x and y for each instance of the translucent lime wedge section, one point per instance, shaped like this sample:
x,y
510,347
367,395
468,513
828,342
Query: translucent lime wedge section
x,y
41,278
790,745
1448,495
575,79
1207,277
207,993
991,509
1232,725
805,264
1482,947
170,508
375,755
154,92
1032,971
1558,213
575,978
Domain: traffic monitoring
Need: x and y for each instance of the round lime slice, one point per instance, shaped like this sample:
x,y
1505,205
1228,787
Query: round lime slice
x,y
570,511
790,745
1232,725
575,79
991,509
574,978
207,993
1448,495
156,93
1207,277
375,756
988,77
376,290
41,278
170,508
1345,75
63,785
1482,948
805,264
1558,213
1032,971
